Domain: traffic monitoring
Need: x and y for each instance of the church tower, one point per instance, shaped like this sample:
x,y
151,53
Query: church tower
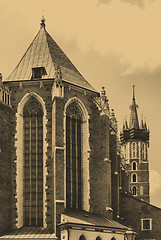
x,y
134,147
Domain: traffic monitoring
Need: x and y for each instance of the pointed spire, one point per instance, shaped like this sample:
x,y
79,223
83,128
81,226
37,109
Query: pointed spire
x,y
133,92
134,123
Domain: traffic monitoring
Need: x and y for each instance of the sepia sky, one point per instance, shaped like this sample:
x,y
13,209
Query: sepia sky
x,y
113,43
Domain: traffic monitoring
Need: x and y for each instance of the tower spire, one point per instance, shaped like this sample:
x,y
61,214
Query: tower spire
x,y
134,123
133,92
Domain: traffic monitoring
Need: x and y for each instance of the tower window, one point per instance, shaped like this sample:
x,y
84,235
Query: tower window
x,y
130,150
134,178
146,149
134,166
133,150
137,149
143,151
134,192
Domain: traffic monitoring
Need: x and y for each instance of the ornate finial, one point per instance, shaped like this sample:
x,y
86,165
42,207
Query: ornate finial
x,y
0,76
133,91
58,74
103,92
42,22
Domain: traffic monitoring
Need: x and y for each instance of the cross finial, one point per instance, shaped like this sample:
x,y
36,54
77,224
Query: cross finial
x,y
42,21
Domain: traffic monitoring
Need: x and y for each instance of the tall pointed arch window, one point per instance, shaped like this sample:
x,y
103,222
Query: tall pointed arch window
x,y
134,166
134,178
143,150
137,149
33,163
134,191
146,151
130,155
73,156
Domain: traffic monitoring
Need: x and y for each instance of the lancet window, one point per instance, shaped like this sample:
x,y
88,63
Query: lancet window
x,y
134,192
73,156
33,163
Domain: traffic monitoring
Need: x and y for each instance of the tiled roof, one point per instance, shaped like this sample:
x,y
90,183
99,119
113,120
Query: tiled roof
x,y
83,217
45,52
29,233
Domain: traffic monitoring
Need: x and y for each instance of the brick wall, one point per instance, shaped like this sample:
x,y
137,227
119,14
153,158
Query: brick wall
x,y
98,166
133,209
5,169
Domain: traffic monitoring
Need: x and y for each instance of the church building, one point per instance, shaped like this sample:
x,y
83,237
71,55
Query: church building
x,y
64,173
55,164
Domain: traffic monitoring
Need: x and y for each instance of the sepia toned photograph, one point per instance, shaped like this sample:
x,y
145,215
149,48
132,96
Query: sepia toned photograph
x,y
80,113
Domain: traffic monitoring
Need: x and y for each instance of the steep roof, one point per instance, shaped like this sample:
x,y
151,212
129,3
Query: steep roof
x,y
44,52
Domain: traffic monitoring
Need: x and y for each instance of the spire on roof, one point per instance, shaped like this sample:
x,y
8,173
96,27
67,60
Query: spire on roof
x,y
134,123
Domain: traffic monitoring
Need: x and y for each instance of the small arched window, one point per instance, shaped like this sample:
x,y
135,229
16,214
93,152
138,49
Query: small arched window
x,y
98,238
134,178
134,193
113,238
82,237
134,166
